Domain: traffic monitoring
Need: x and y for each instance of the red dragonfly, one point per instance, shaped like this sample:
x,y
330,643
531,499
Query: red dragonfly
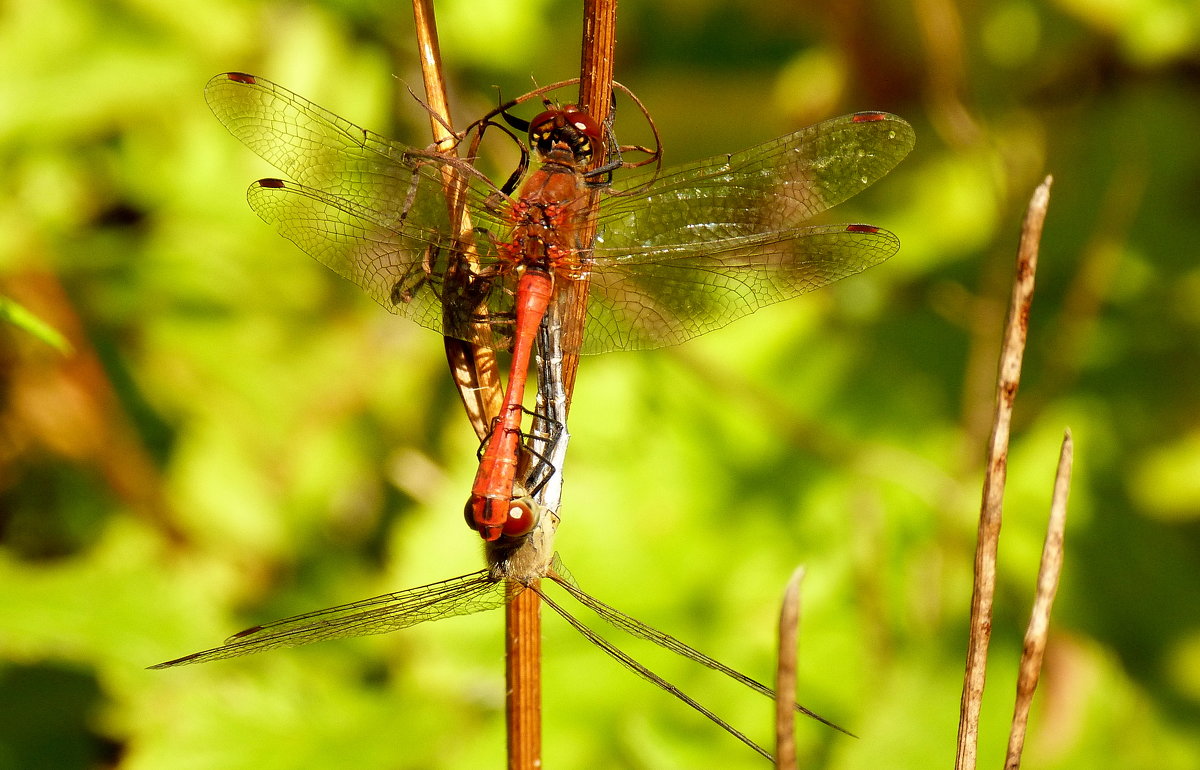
x,y
677,253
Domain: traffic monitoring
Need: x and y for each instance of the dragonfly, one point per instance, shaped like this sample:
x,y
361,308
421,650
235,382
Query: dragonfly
x,y
676,253
516,564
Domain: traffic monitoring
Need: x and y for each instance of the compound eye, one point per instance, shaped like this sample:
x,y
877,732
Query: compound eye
x,y
523,516
542,127
583,123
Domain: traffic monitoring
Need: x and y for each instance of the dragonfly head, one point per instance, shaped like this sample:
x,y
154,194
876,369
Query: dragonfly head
x,y
492,517
569,136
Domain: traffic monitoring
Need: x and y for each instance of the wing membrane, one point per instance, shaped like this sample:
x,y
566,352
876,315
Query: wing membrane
x,y
709,242
774,187
463,595
408,268
677,254
319,149
373,210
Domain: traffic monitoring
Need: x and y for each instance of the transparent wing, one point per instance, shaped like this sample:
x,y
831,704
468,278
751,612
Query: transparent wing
x,y
709,242
463,595
371,209
634,627
412,270
319,149
647,304
677,254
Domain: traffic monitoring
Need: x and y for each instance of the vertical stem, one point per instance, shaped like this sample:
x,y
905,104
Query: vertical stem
x,y
430,54
566,312
785,674
1039,616
473,368
595,97
991,513
596,64
523,677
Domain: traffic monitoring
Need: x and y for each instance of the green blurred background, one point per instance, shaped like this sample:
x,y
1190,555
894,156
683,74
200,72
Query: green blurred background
x,y
239,435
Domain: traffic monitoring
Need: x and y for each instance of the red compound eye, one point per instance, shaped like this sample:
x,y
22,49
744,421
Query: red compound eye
x,y
583,123
521,519
545,124
569,126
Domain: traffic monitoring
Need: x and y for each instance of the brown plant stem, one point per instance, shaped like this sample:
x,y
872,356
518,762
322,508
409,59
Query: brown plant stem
x,y
523,678
1039,617
785,674
474,368
566,313
991,513
595,97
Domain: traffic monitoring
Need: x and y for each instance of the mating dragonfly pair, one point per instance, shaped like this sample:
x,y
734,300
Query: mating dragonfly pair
x,y
675,254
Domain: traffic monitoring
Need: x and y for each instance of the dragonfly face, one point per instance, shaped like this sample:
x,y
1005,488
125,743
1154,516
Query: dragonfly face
x,y
569,136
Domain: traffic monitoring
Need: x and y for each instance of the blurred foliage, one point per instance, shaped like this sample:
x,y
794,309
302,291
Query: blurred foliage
x,y
20,318
238,435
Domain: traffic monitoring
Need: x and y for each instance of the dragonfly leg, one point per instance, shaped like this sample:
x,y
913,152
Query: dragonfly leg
x,y
541,435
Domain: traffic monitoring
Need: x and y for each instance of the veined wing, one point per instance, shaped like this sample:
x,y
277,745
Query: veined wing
x,y
372,210
409,268
709,242
319,149
463,595
559,574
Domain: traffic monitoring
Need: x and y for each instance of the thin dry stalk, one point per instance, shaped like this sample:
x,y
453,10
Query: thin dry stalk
x,y
991,513
474,369
523,635
567,312
596,65
430,54
785,674
595,97
1039,617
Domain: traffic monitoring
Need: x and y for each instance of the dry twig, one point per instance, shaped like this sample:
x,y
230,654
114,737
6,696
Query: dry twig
x,y
991,514
473,368
1039,616
475,371
785,674
595,98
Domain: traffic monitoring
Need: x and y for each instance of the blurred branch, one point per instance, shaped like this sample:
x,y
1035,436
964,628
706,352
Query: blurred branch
x,y
991,514
1092,285
942,36
1039,617
68,405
